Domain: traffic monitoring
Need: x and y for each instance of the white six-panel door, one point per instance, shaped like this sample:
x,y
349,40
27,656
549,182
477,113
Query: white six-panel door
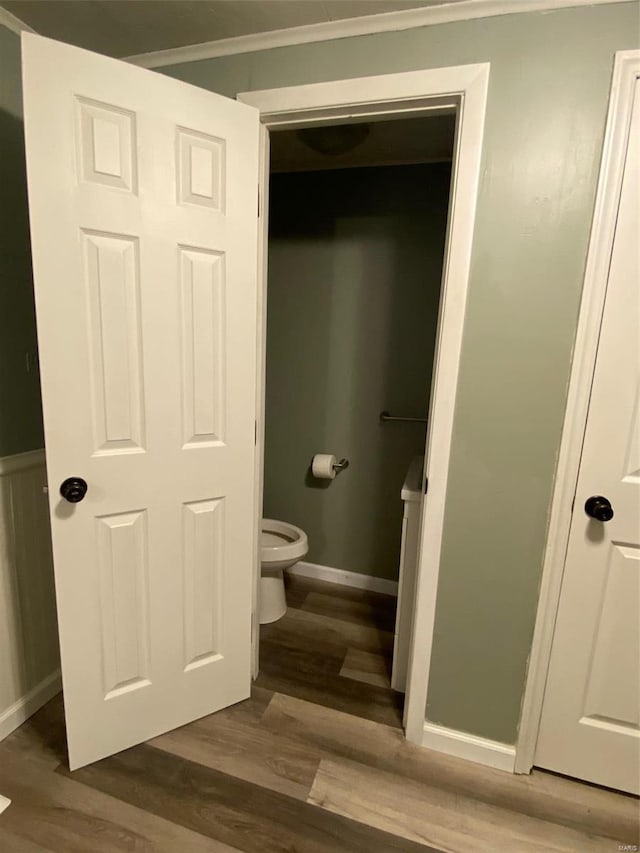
x,y
590,725
143,206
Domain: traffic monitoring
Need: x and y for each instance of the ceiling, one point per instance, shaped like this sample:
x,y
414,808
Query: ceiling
x,y
127,27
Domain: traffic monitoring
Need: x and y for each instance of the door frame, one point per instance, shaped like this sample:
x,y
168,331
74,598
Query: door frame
x,y
626,70
413,93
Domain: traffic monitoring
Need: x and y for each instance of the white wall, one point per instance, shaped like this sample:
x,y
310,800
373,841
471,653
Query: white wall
x,y
29,659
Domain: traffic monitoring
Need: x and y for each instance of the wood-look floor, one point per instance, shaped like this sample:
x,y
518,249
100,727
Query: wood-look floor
x,y
314,761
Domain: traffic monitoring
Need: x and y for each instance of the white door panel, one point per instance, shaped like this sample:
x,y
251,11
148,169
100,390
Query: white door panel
x,y
142,194
591,715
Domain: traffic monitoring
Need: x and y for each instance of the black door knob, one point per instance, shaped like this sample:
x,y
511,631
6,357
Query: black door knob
x,y
73,489
599,508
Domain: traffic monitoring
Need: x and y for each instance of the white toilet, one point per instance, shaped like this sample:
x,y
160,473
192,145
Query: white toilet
x,y
281,546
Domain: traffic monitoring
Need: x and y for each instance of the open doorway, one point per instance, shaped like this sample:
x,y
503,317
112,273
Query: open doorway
x,y
459,91
357,232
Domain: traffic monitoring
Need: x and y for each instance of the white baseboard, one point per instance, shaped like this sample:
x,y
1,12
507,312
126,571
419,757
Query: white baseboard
x,y
330,575
16,714
491,753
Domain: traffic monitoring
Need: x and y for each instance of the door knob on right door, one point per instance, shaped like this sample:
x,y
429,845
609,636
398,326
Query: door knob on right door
x,y
599,508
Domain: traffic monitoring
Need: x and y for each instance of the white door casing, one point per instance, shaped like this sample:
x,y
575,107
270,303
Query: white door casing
x,y
590,723
463,88
142,195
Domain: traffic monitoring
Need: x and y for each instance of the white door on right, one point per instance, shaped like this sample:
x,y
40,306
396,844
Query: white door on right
x,y
590,724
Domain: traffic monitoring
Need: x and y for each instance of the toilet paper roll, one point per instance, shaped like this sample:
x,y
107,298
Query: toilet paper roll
x,y
322,466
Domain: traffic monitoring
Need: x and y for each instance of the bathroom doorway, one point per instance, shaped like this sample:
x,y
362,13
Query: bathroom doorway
x,y
357,227
333,381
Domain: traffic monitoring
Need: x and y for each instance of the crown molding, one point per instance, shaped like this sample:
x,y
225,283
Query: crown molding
x,y
407,19
12,23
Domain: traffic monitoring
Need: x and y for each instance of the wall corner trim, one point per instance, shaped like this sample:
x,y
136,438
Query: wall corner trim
x,y
15,715
341,576
404,19
480,750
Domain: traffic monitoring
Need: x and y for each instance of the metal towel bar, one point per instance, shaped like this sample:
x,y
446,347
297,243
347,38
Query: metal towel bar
x,y
385,416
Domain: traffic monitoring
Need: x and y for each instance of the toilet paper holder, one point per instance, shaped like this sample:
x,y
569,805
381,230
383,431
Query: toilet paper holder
x,y
340,465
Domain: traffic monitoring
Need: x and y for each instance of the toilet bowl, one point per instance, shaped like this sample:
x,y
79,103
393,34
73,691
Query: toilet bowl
x,y
281,546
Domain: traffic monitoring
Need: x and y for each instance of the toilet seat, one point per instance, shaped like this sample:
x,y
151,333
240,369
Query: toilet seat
x,y
281,542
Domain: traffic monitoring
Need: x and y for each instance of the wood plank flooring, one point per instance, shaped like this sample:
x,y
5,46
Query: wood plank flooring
x,y
314,761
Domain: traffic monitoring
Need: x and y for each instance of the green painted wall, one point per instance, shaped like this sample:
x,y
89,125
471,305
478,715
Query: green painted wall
x,y
548,92
20,411
355,261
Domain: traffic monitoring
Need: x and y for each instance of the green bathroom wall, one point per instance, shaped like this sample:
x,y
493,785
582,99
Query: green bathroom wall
x,y
547,102
20,410
355,261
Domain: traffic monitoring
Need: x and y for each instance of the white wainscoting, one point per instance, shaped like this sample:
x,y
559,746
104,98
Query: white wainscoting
x,y
29,658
